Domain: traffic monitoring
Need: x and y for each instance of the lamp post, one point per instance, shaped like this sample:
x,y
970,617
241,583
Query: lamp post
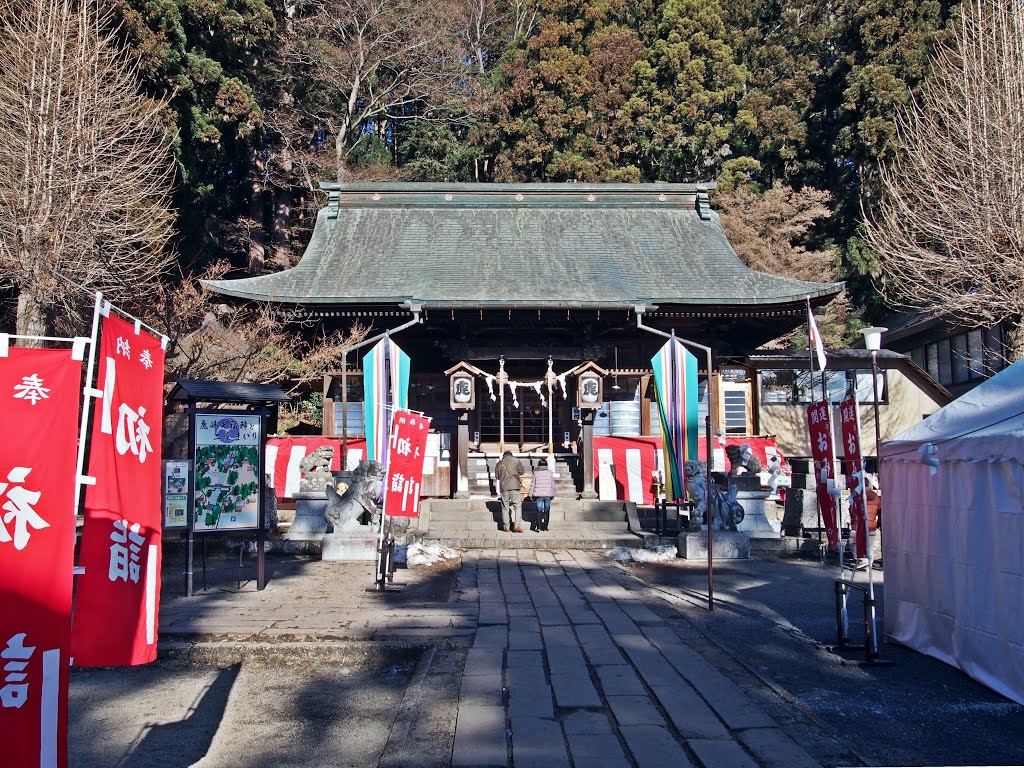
x,y
873,342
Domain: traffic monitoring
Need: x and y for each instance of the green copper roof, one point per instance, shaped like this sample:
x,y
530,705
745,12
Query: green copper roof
x,y
520,245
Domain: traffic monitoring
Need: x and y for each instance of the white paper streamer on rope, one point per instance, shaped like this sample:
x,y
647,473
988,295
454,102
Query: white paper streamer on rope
x,y
490,387
561,383
537,389
512,388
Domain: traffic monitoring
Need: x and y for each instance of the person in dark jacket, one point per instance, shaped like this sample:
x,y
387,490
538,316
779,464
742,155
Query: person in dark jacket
x,y
509,472
543,491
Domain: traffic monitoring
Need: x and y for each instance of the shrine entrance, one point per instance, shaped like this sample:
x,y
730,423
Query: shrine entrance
x,y
526,427
525,413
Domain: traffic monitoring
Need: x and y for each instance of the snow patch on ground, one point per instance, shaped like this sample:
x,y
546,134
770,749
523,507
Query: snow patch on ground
x,y
428,554
656,555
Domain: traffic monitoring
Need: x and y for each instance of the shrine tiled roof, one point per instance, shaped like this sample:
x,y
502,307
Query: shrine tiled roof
x,y
521,245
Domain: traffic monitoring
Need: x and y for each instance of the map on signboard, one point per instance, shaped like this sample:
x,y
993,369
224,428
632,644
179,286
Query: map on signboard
x,y
226,472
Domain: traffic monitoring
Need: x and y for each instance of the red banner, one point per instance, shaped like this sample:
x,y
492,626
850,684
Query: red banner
x,y
117,602
850,417
824,467
406,447
283,455
39,397
636,458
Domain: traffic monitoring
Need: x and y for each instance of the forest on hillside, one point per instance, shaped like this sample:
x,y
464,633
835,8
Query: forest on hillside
x,y
790,105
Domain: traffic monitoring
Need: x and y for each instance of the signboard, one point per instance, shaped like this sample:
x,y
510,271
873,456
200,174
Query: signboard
x,y
824,467
854,472
227,482
39,397
407,446
176,479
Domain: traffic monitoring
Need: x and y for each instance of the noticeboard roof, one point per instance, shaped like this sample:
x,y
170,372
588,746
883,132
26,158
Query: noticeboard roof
x,y
202,391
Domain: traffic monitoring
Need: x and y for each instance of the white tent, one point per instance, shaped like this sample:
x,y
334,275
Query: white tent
x,y
953,534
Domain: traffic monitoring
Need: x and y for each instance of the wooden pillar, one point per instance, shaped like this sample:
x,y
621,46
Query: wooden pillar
x,y
645,406
462,465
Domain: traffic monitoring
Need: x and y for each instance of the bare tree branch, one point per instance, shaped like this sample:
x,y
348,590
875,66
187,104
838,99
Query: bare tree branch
x,y
949,231
85,165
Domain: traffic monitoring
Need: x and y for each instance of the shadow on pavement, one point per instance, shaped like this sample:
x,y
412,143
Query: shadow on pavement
x,y
184,743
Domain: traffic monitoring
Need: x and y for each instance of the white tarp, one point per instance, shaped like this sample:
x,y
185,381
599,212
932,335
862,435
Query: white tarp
x,y
953,541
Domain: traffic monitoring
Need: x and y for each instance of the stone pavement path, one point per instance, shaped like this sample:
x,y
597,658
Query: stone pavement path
x,y
534,658
570,666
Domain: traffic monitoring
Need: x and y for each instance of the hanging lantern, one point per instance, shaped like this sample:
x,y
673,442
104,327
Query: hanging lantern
x,y
461,388
590,386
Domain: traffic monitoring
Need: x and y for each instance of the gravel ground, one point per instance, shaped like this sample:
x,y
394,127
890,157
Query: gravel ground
x,y
778,617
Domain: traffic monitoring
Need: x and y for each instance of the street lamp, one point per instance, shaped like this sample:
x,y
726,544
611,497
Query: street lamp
x,y
873,342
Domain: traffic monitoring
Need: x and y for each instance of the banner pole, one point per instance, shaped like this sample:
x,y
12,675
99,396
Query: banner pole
x,y
838,496
386,450
810,370
87,395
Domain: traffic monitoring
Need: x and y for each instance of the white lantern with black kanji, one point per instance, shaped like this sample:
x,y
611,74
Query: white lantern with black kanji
x,y
590,386
462,387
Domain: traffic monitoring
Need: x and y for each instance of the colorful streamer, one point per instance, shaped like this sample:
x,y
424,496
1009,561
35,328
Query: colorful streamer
x,y
385,355
675,379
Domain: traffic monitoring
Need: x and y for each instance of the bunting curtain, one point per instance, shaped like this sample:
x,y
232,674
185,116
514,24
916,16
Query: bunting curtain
x,y
675,379
385,368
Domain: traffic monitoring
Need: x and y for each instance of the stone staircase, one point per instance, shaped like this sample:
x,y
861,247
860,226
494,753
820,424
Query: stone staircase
x,y
574,524
566,469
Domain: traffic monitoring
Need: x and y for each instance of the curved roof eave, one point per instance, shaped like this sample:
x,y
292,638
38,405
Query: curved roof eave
x,y
545,245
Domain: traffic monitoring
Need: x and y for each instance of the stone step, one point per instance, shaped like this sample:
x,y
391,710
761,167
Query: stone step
x,y
482,482
572,538
573,510
468,528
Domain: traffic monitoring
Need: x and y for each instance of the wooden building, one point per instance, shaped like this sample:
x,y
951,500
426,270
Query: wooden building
x,y
521,279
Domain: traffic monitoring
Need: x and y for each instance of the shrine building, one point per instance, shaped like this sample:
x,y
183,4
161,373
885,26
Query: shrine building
x,y
536,285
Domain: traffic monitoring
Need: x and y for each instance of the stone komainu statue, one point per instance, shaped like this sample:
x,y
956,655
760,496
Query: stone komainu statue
x,y
726,511
362,497
316,470
697,491
742,460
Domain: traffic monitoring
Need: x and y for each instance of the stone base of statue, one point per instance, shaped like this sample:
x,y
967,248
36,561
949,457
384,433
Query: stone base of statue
x,y
725,545
760,514
309,523
357,547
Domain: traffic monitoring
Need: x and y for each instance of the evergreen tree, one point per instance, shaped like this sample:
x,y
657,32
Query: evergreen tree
x,y
205,57
685,89
542,93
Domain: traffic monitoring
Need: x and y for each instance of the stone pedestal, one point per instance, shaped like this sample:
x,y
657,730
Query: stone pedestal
x,y
309,520
725,545
759,513
359,547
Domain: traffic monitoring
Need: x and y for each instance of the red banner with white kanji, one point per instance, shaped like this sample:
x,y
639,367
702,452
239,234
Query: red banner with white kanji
x,y
406,447
39,397
850,417
824,467
117,602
